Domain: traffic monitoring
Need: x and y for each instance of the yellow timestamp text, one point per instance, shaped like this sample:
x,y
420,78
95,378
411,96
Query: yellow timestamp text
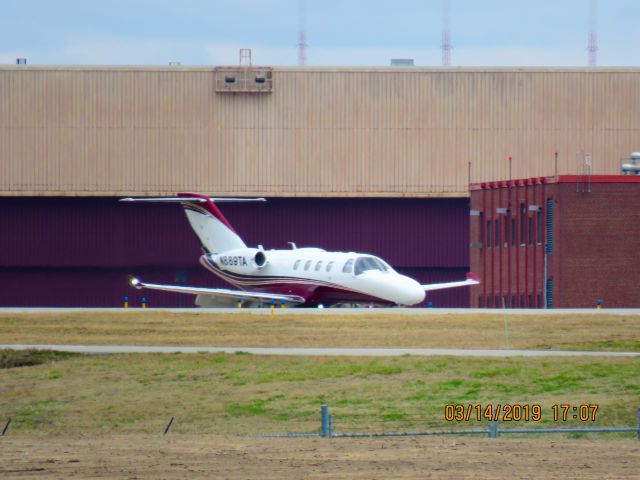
x,y
585,412
519,412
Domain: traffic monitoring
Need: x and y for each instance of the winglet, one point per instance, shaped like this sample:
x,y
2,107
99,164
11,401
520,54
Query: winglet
x,y
473,276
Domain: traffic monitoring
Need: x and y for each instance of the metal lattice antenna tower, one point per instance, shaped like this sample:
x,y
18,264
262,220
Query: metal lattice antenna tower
x,y
446,36
592,46
302,36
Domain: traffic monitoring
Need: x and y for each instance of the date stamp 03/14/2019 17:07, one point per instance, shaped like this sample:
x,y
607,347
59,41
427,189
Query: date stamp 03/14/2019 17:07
x,y
516,412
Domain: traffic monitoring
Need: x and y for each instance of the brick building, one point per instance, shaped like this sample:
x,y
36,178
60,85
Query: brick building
x,y
560,242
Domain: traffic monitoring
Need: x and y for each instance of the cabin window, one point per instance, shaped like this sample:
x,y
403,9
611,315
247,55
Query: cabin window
x,y
318,266
297,264
307,265
385,266
348,267
329,266
364,264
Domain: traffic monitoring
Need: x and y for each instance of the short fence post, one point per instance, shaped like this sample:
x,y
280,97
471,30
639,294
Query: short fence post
x,y
493,429
325,422
6,427
638,423
168,426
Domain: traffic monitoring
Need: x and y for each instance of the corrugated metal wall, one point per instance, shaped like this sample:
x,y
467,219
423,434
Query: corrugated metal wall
x,y
78,251
107,287
102,233
321,132
94,287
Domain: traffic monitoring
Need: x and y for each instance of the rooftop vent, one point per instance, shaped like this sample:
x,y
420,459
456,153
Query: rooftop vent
x,y
630,165
261,76
402,62
243,79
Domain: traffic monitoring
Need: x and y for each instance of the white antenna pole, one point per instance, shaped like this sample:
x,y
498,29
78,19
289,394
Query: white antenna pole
x,y
302,35
592,46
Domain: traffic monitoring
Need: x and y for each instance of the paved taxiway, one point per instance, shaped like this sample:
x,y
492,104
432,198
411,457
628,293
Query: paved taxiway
x,y
320,352
339,311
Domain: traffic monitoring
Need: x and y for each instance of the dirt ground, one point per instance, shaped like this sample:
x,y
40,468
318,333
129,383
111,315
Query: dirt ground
x,y
211,456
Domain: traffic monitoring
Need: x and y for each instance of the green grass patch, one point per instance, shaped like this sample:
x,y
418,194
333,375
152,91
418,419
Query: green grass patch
x,y
254,407
27,358
393,416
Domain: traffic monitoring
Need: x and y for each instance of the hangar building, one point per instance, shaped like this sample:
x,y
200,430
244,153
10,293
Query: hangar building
x,y
364,159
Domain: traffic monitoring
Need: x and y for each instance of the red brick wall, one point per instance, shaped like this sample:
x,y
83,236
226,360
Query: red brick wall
x,y
596,247
600,249
512,271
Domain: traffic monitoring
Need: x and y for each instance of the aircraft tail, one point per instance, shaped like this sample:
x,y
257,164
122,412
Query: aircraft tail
x,y
214,231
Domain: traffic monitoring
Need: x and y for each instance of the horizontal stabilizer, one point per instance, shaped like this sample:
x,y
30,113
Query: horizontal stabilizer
x,y
191,199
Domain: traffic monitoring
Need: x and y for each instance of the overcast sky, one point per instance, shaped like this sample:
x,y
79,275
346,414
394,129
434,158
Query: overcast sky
x,y
339,33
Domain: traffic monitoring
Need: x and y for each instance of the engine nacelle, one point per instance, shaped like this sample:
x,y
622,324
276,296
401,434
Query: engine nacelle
x,y
245,260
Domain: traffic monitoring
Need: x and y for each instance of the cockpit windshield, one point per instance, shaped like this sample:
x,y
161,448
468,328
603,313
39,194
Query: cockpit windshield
x,y
364,264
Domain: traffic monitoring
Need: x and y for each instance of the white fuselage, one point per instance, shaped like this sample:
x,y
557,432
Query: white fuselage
x,y
319,276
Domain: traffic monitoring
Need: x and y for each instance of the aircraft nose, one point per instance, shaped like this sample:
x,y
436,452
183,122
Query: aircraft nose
x,y
410,291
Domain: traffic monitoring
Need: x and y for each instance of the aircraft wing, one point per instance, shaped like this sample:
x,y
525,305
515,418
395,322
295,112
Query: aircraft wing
x,y
219,296
471,280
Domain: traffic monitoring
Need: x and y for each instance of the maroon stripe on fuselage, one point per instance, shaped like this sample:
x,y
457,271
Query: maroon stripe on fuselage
x,y
287,286
313,291
255,279
331,295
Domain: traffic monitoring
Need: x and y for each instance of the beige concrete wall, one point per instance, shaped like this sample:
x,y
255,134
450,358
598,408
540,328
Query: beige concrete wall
x,y
320,132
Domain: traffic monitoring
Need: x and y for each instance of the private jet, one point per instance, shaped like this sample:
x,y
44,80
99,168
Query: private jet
x,y
309,277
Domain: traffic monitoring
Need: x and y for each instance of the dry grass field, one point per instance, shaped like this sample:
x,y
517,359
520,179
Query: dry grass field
x,y
101,416
148,327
